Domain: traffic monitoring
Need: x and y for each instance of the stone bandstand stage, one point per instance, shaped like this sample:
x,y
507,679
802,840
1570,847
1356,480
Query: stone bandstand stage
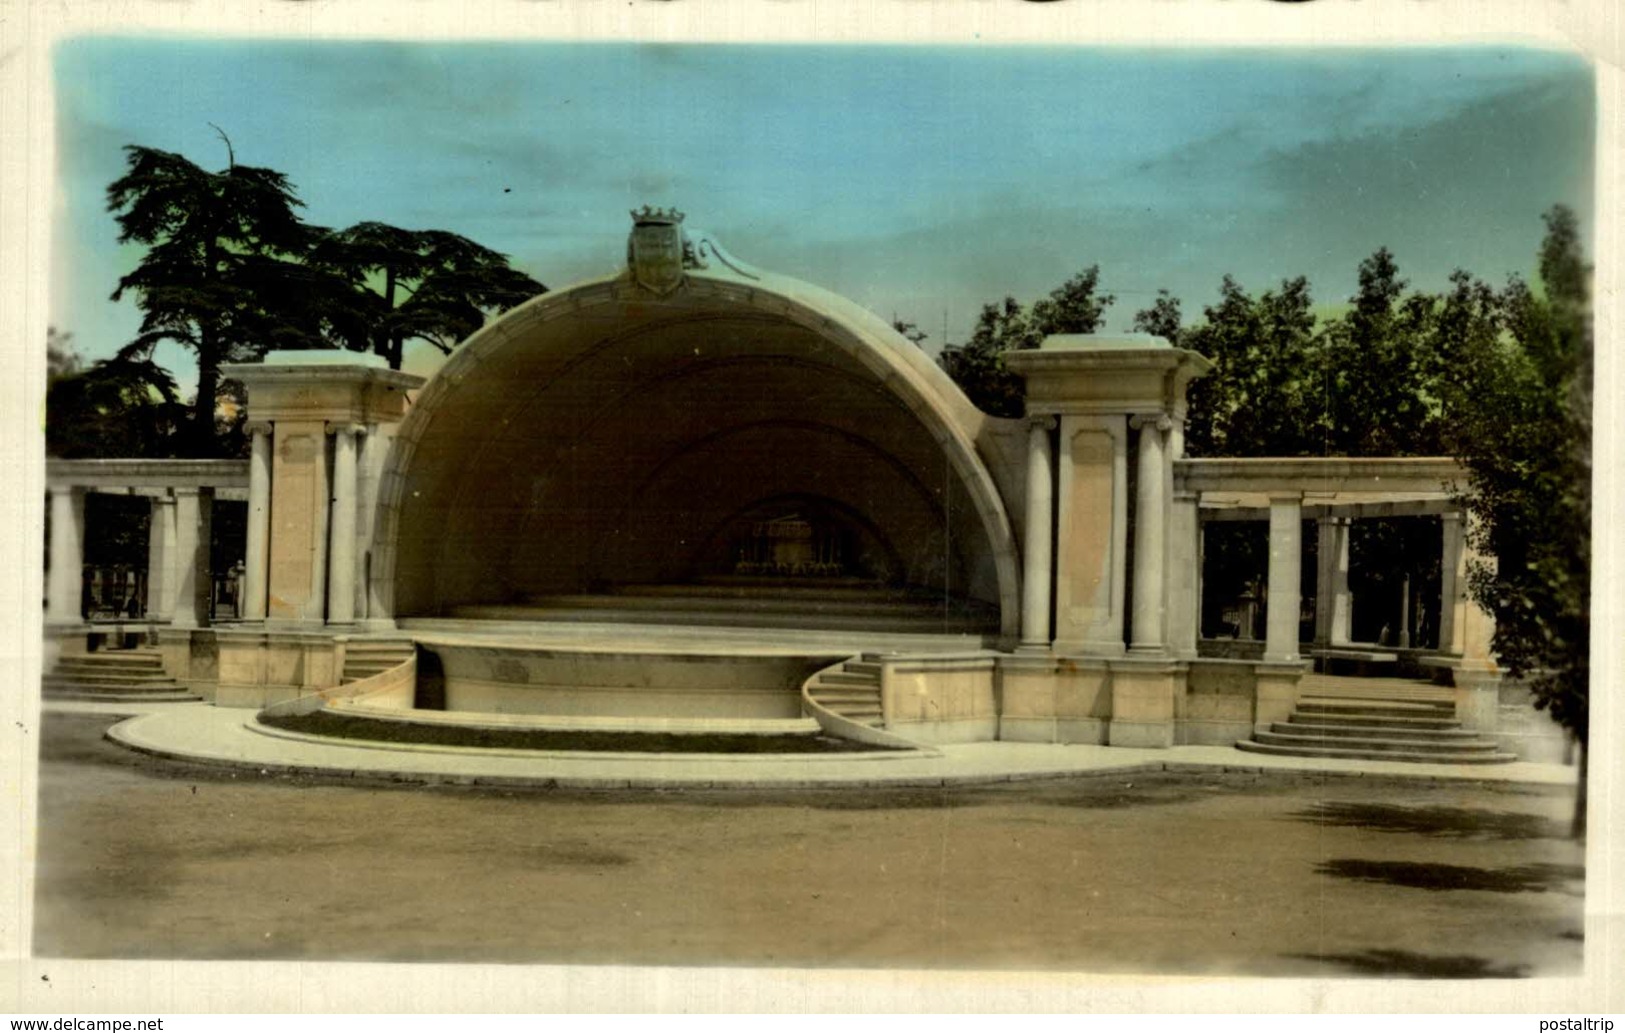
x,y
694,497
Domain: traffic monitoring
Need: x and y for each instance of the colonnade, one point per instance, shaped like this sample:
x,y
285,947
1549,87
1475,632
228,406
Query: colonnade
x,y
181,495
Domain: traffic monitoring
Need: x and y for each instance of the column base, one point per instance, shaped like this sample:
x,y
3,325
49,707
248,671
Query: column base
x,y
1089,647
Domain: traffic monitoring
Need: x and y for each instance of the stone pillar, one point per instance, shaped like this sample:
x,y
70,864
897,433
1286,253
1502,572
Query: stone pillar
x,y
1476,626
160,556
1405,612
1092,535
163,604
1038,555
302,395
259,522
342,541
297,579
1150,535
64,595
1184,575
1340,620
374,452
1452,584
193,583
1285,574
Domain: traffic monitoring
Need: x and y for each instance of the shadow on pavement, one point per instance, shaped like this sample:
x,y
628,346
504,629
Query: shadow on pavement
x,y
1533,878
1444,822
1409,964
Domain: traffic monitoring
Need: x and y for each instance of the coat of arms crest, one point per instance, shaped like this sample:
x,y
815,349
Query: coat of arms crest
x,y
655,250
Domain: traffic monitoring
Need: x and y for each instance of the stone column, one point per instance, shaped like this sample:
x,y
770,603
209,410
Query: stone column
x,y
193,584
341,551
64,594
170,543
1341,628
160,541
374,450
1332,581
1039,554
1184,574
259,523
1475,626
1452,584
1285,574
1405,612
1150,535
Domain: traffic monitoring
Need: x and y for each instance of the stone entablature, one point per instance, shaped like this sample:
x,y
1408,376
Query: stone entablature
x,y
139,474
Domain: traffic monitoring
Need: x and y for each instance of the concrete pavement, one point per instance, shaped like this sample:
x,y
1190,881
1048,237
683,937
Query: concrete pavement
x,y
230,737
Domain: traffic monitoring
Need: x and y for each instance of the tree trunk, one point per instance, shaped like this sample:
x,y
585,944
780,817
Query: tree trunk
x,y
208,384
1578,827
392,349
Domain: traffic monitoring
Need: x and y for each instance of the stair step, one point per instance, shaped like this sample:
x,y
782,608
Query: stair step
x,y
1384,745
856,712
1351,730
113,692
1375,721
93,674
180,696
112,660
834,702
870,668
848,678
1375,708
1413,756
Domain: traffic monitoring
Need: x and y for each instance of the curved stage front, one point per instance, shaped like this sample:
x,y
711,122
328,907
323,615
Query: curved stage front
x,y
596,663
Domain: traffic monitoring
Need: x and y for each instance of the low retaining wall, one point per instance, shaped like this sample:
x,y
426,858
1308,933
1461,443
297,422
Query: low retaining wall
x,y
517,680
940,699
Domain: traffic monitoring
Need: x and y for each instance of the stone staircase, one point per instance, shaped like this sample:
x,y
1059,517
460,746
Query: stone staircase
x,y
365,657
117,676
852,692
1413,722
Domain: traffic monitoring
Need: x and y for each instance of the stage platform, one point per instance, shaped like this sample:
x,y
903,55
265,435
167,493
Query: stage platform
x,y
836,604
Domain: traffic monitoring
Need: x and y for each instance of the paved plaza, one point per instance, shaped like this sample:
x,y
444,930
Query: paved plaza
x,y
1281,872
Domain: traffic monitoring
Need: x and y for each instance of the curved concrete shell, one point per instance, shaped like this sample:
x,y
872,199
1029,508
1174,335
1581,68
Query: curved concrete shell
x,y
603,436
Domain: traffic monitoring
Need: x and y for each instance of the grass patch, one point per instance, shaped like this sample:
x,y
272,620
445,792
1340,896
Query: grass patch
x,y
340,726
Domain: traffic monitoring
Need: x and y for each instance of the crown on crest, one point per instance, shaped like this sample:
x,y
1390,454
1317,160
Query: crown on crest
x,y
658,216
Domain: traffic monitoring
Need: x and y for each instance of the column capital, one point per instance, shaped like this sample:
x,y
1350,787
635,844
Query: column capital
x,y
1286,496
187,491
253,427
1180,495
1453,516
336,427
1159,419
1041,421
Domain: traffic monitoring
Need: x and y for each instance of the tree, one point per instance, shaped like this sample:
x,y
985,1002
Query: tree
x,y
1259,398
424,285
1376,399
222,273
977,366
1075,307
910,330
1163,318
1072,308
113,408
1520,420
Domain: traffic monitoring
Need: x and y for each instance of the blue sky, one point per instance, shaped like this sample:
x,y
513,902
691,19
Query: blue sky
x,y
919,181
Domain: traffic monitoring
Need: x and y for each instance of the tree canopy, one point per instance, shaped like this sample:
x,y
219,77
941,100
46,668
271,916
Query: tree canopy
x,y
431,286
220,272
977,367
231,271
